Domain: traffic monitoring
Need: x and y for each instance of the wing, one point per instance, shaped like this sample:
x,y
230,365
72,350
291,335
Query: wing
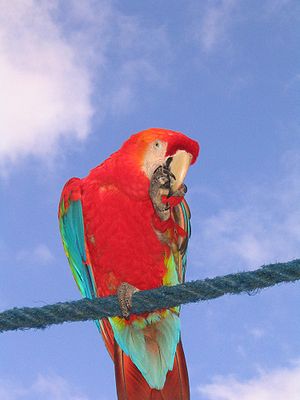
x,y
182,217
73,237
72,232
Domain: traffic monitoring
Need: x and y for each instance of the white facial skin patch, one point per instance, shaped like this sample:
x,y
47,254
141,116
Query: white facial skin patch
x,y
154,157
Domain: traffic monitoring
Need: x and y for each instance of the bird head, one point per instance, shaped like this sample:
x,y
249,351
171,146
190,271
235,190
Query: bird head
x,y
155,147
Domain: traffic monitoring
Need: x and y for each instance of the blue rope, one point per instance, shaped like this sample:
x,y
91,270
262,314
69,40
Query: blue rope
x,y
150,300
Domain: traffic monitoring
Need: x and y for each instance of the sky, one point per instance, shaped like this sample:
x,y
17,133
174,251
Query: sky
x,y
76,80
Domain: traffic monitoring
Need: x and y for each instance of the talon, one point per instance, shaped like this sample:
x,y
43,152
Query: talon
x,y
180,192
169,173
125,292
168,162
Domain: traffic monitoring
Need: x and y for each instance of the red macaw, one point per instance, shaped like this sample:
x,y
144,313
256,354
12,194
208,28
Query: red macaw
x,y
125,227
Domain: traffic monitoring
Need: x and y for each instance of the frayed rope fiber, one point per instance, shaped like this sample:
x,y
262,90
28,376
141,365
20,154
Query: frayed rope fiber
x,y
150,300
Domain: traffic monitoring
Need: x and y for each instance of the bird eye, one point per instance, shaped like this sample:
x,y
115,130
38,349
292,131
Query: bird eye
x,y
157,144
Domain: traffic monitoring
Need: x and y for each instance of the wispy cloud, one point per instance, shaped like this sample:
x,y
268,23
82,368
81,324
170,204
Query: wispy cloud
x,y
212,29
40,255
123,98
281,383
292,83
51,64
44,387
263,228
56,388
257,333
276,6
45,92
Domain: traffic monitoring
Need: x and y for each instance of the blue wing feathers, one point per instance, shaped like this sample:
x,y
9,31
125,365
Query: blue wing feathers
x,y
73,237
72,232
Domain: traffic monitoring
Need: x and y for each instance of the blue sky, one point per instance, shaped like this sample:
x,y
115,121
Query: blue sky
x,y
76,79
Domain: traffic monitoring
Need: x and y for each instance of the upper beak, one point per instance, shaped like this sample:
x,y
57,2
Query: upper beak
x,y
179,166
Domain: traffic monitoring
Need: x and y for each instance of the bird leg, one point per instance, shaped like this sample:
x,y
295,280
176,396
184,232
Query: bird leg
x,y
124,293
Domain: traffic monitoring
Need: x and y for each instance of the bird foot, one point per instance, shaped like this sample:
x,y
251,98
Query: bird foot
x,y
160,185
160,191
125,292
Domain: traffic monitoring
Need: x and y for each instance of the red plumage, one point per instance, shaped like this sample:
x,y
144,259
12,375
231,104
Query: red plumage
x,y
119,216
131,385
122,245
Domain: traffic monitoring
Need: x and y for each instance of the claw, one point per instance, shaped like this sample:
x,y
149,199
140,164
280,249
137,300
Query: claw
x,y
125,292
180,192
163,171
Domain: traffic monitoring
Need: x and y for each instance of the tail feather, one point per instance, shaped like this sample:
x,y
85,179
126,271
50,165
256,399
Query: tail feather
x,y
108,336
131,385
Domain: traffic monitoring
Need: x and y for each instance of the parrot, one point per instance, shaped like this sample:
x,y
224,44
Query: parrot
x,y
125,228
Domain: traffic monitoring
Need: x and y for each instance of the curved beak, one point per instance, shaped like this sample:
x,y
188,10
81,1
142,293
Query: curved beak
x,y
179,167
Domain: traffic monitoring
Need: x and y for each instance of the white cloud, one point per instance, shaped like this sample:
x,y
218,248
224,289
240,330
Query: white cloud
x,y
43,388
283,383
52,62
214,25
40,255
122,99
44,90
257,333
55,388
263,228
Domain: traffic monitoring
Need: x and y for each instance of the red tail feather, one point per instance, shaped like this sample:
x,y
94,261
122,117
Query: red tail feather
x,y
131,385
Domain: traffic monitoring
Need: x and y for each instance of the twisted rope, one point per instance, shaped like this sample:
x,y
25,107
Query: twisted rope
x,y
150,300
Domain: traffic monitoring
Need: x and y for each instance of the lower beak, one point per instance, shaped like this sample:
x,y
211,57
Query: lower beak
x,y
179,167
